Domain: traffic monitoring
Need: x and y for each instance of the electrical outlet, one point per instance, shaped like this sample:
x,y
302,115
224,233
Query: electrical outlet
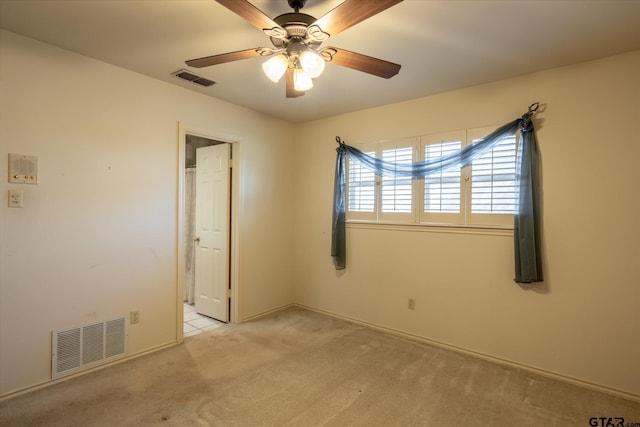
x,y
411,304
134,317
16,198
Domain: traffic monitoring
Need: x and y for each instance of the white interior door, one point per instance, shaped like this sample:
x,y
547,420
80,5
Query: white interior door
x,y
212,231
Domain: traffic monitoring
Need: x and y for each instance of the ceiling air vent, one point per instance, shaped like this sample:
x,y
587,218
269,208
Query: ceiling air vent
x,y
189,76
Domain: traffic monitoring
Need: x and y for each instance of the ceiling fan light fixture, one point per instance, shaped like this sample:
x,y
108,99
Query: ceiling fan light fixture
x,y
275,67
301,80
297,39
312,63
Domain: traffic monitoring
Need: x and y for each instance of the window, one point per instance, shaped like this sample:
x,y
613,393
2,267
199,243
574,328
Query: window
x,y
443,198
374,198
493,183
361,196
442,189
396,193
483,194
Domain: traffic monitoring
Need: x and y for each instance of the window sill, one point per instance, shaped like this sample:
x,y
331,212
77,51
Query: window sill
x,y
431,228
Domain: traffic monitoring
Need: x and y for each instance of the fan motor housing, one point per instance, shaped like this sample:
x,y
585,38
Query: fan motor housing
x,y
295,24
294,18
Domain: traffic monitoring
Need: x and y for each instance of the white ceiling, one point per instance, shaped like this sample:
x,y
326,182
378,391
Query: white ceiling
x,y
442,45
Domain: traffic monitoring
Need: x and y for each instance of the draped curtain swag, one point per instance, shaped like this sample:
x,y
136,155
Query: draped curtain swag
x,y
526,231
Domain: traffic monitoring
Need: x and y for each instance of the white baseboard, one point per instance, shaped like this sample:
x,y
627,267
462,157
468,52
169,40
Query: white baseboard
x,y
549,374
48,383
395,332
265,313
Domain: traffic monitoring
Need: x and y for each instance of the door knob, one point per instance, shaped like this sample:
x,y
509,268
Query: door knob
x,y
197,240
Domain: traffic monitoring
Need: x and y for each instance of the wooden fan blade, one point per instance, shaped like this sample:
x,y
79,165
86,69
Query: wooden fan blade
x,y
255,17
360,62
291,92
223,57
350,13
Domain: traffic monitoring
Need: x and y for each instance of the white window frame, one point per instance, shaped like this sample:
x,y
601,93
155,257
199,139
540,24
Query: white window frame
x,y
440,218
390,216
368,216
418,216
502,220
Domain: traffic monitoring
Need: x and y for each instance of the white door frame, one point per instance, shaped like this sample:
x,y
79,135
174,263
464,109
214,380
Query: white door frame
x,y
183,130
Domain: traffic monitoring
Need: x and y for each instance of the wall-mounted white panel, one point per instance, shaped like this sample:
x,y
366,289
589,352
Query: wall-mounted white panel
x,y
23,169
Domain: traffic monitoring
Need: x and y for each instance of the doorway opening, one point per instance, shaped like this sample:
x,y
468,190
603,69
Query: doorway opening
x,y
206,261
195,323
193,212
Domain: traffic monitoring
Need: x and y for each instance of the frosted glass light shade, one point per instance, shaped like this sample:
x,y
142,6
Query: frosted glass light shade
x,y
301,80
275,67
312,63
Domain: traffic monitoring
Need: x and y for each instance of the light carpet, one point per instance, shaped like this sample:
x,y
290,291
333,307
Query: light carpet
x,y
301,368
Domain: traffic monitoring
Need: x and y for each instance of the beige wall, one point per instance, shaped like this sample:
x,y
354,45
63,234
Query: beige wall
x,y
583,321
97,236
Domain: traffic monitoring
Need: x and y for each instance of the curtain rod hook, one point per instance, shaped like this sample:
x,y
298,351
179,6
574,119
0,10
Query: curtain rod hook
x,y
533,108
339,141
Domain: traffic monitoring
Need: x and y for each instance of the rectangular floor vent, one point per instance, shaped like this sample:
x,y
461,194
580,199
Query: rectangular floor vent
x,y
84,347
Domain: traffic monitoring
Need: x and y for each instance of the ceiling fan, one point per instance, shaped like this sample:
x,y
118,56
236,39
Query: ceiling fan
x,y
297,42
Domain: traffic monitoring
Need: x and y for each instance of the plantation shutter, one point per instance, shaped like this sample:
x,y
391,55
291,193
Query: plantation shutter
x,y
493,180
361,187
442,189
396,190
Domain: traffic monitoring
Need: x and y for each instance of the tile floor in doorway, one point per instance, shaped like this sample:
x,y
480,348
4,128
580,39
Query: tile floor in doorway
x,y
195,323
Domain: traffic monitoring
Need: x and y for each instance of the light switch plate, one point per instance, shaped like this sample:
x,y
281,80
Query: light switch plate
x,y
16,198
